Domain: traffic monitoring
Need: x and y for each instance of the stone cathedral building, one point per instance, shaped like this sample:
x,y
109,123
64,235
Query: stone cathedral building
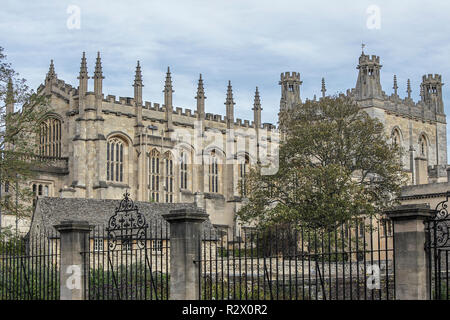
x,y
102,145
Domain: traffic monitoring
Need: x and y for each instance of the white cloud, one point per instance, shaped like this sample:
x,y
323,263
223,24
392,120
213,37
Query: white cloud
x,y
248,42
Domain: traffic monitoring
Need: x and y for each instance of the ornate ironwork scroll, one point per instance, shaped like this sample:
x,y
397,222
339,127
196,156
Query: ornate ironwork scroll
x,y
127,225
439,226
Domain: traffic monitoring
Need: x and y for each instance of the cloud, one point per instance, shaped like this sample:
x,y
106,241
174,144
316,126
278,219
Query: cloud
x,y
248,42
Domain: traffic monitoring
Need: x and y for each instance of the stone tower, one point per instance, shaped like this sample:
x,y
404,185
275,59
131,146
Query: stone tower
x,y
431,89
290,90
368,85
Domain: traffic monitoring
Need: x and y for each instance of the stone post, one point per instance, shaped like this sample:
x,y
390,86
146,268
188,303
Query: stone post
x,y
421,170
74,237
185,242
411,260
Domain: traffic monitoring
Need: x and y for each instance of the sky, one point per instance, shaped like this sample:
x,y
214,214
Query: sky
x,y
246,41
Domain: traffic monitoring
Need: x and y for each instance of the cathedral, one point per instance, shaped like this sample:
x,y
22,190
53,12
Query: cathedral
x,y
101,146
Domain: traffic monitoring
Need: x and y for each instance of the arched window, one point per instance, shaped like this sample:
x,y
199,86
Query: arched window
x,y
183,170
423,146
115,160
41,189
168,188
213,173
243,170
396,138
50,138
154,175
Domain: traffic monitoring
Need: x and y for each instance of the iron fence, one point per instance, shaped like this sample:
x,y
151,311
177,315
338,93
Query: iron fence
x,y
29,267
354,260
438,247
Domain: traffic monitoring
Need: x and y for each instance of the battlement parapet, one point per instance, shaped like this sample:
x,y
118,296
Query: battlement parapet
x,y
268,126
288,76
188,113
432,78
366,59
126,101
111,98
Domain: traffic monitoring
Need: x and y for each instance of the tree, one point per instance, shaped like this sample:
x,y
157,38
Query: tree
x,y
336,163
18,132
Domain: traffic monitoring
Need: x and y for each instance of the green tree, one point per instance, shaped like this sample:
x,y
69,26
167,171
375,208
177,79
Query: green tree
x,y
18,132
335,163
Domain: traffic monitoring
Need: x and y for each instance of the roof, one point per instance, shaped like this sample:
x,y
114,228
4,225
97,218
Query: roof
x,y
425,191
52,211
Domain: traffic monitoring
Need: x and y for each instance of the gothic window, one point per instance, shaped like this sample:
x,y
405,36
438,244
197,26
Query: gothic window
x,y
396,137
41,189
213,173
157,246
98,244
154,175
183,171
50,138
243,170
423,147
169,177
115,160
291,88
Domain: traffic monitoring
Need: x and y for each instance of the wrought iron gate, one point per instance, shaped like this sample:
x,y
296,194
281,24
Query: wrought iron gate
x,y
438,247
134,264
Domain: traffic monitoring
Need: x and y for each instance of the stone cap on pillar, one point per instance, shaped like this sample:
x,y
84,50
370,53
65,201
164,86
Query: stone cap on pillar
x,y
72,225
411,212
186,215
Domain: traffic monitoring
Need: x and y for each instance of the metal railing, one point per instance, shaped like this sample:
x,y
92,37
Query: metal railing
x,y
353,261
29,268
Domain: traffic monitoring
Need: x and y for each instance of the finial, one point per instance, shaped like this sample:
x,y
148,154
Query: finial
x,y
52,68
229,99
83,67
408,89
98,73
395,87
363,45
200,89
257,101
324,90
168,84
51,72
138,76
